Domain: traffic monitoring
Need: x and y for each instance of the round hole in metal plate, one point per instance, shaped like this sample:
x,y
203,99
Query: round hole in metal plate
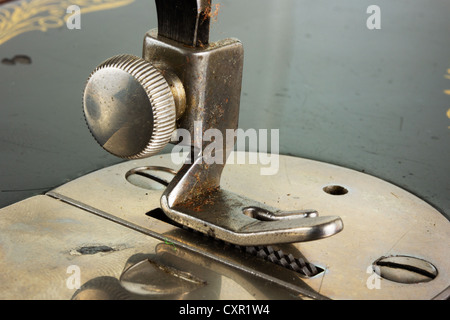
x,y
335,190
150,177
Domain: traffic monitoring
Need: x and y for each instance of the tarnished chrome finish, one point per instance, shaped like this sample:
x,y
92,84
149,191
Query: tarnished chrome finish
x,y
211,76
221,214
131,111
221,217
280,277
102,212
46,240
130,108
381,219
195,199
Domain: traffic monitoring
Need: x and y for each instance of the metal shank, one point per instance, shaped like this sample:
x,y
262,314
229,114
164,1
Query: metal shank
x,y
212,77
184,21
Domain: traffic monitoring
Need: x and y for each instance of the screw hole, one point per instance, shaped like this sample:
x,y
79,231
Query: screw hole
x,y
335,190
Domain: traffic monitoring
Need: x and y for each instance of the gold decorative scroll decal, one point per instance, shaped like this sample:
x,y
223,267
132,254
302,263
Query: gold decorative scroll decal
x,y
28,15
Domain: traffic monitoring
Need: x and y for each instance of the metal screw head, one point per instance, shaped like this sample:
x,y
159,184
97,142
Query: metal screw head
x,y
405,269
129,107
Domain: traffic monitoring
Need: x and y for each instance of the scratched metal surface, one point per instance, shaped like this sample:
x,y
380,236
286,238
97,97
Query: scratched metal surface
x,y
370,100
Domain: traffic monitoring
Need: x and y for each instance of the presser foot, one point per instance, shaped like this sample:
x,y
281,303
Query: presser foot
x,y
241,221
195,199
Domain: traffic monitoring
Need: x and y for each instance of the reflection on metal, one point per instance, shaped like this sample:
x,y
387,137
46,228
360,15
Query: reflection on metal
x,y
27,15
151,278
279,276
182,274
